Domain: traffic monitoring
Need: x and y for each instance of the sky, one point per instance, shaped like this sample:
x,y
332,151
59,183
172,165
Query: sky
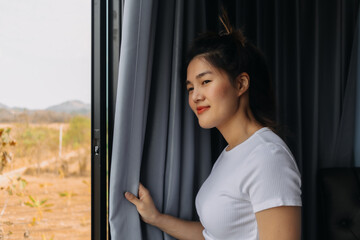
x,y
45,52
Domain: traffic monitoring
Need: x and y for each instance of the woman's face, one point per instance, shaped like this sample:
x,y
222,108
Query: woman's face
x,y
212,96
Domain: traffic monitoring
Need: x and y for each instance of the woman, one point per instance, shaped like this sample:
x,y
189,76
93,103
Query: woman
x,y
253,191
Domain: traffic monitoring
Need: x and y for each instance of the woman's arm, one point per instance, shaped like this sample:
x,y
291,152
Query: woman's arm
x,y
180,229
279,223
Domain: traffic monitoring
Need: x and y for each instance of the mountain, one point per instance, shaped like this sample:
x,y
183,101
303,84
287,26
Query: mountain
x,y
58,113
72,107
3,106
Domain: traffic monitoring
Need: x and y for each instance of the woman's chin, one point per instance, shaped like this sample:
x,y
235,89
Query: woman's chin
x,y
205,125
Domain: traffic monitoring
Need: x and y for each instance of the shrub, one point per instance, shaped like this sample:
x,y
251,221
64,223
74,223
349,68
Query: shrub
x,y
79,133
37,140
5,141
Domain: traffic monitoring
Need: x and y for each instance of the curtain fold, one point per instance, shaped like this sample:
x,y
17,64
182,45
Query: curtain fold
x,y
308,45
343,152
130,115
171,162
356,74
156,138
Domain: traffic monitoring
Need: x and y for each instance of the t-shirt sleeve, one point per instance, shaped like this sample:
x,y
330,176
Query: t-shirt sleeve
x,y
274,179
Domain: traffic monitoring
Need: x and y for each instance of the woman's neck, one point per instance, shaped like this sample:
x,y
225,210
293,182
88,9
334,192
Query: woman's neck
x,y
239,128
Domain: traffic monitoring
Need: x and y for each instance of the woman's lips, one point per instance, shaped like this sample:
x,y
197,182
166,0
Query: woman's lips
x,y
200,110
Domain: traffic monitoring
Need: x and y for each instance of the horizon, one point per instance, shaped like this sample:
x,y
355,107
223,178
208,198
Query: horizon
x,y
56,104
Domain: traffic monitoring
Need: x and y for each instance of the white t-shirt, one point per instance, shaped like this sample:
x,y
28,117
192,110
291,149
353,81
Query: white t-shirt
x,y
258,174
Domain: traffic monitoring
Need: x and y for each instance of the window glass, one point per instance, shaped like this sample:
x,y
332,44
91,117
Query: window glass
x,y
45,126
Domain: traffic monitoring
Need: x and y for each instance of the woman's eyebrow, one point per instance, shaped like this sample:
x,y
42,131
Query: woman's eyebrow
x,y
200,75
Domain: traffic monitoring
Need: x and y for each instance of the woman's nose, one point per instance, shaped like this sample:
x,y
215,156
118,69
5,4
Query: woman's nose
x,y
197,95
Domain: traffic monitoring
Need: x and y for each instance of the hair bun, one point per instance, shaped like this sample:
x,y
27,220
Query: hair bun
x,y
229,29
224,19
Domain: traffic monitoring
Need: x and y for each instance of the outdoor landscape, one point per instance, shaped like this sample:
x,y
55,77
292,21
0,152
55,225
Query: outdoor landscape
x,y
45,172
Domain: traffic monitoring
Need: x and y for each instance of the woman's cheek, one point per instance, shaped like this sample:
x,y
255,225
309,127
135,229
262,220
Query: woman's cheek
x,y
219,92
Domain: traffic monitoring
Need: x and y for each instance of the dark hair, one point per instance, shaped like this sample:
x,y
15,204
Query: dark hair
x,y
232,53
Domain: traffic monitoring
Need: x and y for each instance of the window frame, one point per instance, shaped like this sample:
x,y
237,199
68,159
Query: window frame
x,y
99,178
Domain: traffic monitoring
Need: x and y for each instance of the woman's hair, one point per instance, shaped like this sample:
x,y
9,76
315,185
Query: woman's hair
x,y
231,52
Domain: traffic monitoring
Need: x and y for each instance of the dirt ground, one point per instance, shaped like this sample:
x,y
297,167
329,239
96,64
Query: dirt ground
x,y
66,214
47,199
47,202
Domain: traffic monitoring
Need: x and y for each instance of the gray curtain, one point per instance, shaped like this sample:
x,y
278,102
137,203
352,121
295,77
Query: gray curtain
x,y
157,141
309,46
156,138
130,116
355,72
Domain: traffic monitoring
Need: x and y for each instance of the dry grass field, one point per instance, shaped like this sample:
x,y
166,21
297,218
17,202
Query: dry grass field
x,y
43,194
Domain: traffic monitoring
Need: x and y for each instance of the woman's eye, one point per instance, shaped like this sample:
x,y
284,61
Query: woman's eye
x,y
190,89
206,82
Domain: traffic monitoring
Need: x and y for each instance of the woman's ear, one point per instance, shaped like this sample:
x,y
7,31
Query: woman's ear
x,y
242,82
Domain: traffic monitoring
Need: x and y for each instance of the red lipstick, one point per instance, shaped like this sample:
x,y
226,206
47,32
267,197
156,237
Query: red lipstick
x,y
200,110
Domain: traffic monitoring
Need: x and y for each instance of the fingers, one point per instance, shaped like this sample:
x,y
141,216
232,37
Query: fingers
x,y
144,204
142,191
132,198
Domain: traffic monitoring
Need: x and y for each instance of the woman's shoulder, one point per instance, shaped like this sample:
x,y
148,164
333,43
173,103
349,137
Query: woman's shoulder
x,y
268,152
271,168
269,143
263,147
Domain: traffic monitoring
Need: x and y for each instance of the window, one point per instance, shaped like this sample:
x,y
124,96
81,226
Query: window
x,y
45,119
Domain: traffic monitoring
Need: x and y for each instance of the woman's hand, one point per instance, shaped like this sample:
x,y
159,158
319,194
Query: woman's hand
x,y
179,229
144,205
